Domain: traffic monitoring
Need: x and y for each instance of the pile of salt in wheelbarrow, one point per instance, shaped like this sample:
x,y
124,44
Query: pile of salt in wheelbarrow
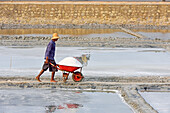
x,y
73,65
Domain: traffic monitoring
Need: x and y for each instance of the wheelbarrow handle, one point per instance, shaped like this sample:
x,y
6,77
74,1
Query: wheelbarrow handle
x,y
54,65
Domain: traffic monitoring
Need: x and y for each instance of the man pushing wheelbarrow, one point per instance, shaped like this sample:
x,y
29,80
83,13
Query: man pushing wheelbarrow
x,y
49,58
67,65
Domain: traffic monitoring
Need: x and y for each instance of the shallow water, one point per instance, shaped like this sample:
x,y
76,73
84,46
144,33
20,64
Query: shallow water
x,y
103,61
57,101
158,35
158,100
89,33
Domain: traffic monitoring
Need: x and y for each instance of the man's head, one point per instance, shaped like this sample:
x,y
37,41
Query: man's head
x,y
55,37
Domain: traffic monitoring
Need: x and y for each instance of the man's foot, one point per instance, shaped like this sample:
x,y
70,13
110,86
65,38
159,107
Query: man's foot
x,y
53,81
38,79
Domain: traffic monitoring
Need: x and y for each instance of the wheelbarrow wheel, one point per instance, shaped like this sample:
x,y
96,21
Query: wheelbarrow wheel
x,y
77,76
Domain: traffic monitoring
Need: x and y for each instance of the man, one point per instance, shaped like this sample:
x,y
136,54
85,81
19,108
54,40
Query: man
x,y
49,58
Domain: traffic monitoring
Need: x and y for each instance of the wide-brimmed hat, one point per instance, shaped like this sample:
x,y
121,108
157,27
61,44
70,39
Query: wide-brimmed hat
x,y
55,36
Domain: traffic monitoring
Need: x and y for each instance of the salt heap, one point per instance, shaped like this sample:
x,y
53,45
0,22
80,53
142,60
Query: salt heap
x,y
70,61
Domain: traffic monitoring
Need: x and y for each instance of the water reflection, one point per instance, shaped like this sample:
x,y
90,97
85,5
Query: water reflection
x,y
63,31
60,31
53,108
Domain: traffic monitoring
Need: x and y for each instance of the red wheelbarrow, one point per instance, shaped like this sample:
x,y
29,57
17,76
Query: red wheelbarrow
x,y
70,65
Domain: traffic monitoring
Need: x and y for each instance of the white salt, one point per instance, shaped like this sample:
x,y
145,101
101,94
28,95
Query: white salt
x,y
70,61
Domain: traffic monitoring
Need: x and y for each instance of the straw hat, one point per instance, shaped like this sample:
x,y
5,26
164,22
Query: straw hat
x,y
55,36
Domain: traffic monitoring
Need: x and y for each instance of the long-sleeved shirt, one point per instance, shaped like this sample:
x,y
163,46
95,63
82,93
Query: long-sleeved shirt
x,y
50,50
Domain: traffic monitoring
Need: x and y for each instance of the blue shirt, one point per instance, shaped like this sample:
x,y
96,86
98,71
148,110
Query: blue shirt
x,y
50,50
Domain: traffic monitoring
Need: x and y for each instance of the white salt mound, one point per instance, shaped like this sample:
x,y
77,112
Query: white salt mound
x,y
70,61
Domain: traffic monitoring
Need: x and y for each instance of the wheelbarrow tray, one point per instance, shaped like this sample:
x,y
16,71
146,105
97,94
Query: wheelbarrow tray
x,y
67,68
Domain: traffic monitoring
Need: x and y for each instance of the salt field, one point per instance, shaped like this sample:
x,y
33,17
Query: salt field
x,y
158,100
16,61
112,56
58,101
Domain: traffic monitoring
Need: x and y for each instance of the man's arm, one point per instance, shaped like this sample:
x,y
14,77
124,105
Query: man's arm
x,y
46,61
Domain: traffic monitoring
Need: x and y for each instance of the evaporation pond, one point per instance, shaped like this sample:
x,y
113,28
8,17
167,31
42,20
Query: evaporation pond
x,y
102,62
160,101
57,101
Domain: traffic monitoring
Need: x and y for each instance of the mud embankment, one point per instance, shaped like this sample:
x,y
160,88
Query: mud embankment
x,y
73,41
150,82
134,99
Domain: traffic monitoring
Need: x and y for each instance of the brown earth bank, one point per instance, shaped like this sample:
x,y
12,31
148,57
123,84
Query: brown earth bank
x,y
151,15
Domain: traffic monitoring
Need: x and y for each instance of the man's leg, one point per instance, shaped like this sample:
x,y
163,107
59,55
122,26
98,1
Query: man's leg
x,y
53,70
44,68
38,77
52,77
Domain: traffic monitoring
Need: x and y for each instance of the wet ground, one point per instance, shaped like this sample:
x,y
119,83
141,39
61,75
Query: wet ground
x,y
58,101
